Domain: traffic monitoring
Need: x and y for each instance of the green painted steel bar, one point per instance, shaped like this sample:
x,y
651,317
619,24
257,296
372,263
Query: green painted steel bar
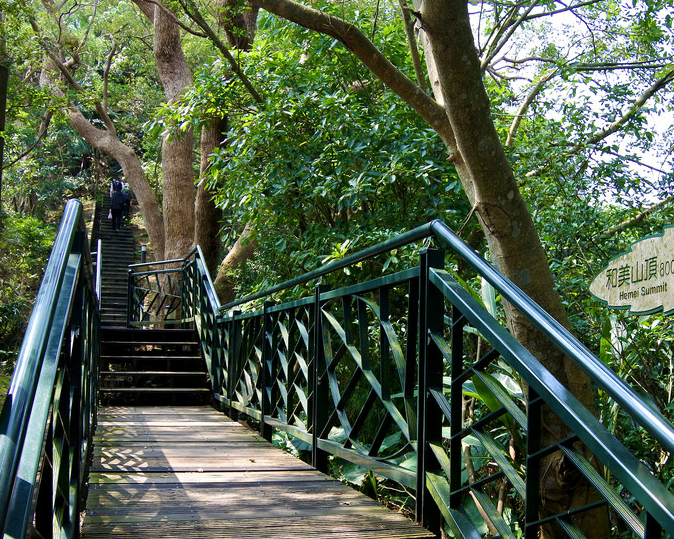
x,y
28,466
652,421
67,287
634,475
209,286
16,411
163,262
412,236
155,272
605,378
99,268
251,374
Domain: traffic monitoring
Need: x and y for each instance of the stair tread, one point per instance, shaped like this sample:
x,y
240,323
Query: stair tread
x,y
144,358
152,354
163,373
154,389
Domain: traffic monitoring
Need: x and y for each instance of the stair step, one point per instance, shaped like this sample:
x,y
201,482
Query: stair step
x,y
122,359
153,373
157,360
150,343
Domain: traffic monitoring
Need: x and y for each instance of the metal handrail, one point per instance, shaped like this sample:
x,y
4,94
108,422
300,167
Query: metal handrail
x,y
416,234
69,264
656,424
99,269
256,341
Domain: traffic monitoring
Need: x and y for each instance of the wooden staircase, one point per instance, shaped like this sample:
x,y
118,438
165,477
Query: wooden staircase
x,y
118,253
152,367
141,366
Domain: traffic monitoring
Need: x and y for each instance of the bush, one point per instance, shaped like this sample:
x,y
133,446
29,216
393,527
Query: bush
x,y
25,243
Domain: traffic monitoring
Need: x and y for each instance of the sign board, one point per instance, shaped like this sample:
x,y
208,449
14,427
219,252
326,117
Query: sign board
x,y
642,279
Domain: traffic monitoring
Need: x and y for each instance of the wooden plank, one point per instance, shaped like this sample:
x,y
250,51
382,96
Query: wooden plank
x,y
208,477
192,473
326,526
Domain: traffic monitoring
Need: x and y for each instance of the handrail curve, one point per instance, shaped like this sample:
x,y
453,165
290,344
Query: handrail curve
x,y
656,424
57,326
398,343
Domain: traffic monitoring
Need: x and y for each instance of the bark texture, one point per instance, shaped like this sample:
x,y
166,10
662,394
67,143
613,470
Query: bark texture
x,y
109,144
4,77
207,214
243,249
177,151
466,127
512,238
240,30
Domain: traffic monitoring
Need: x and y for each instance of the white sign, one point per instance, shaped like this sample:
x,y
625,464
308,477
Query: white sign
x,y
642,279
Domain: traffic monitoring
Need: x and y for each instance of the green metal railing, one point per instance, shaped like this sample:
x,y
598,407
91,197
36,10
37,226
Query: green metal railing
x,y
47,421
409,376
155,293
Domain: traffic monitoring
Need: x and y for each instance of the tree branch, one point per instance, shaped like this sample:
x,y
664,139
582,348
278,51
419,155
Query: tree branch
x,y
172,15
412,44
620,122
367,53
638,104
562,10
44,126
538,87
106,76
505,34
637,218
193,13
58,63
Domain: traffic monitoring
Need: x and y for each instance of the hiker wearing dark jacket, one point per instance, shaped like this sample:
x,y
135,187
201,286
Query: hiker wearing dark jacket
x,y
117,203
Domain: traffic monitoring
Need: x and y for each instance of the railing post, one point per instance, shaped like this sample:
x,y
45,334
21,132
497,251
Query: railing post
x,y
129,298
234,351
429,420
533,495
267,382
318,390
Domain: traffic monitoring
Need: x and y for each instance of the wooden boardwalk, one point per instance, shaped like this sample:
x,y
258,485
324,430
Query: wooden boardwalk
x,y
192,472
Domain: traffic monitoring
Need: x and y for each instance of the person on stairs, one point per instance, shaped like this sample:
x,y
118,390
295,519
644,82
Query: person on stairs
x,y
116,185
127,202
117,203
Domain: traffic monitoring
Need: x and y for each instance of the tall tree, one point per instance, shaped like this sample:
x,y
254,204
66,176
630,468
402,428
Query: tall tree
x,y
4,79
463,120
177,151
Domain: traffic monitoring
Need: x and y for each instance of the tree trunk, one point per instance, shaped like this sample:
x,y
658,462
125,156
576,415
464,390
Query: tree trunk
x,y
208,215
466,127
177,151
512,238
108,143
240,31
4,76
243,249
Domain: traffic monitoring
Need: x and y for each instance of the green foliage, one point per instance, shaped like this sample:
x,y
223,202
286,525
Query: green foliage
x,y
640,350
45,161
25,243
330,163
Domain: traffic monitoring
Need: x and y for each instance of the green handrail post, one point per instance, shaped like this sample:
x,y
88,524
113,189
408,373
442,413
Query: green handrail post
x,y
99,265
235,363
429,423
318,388
130,303
533,479
266,372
